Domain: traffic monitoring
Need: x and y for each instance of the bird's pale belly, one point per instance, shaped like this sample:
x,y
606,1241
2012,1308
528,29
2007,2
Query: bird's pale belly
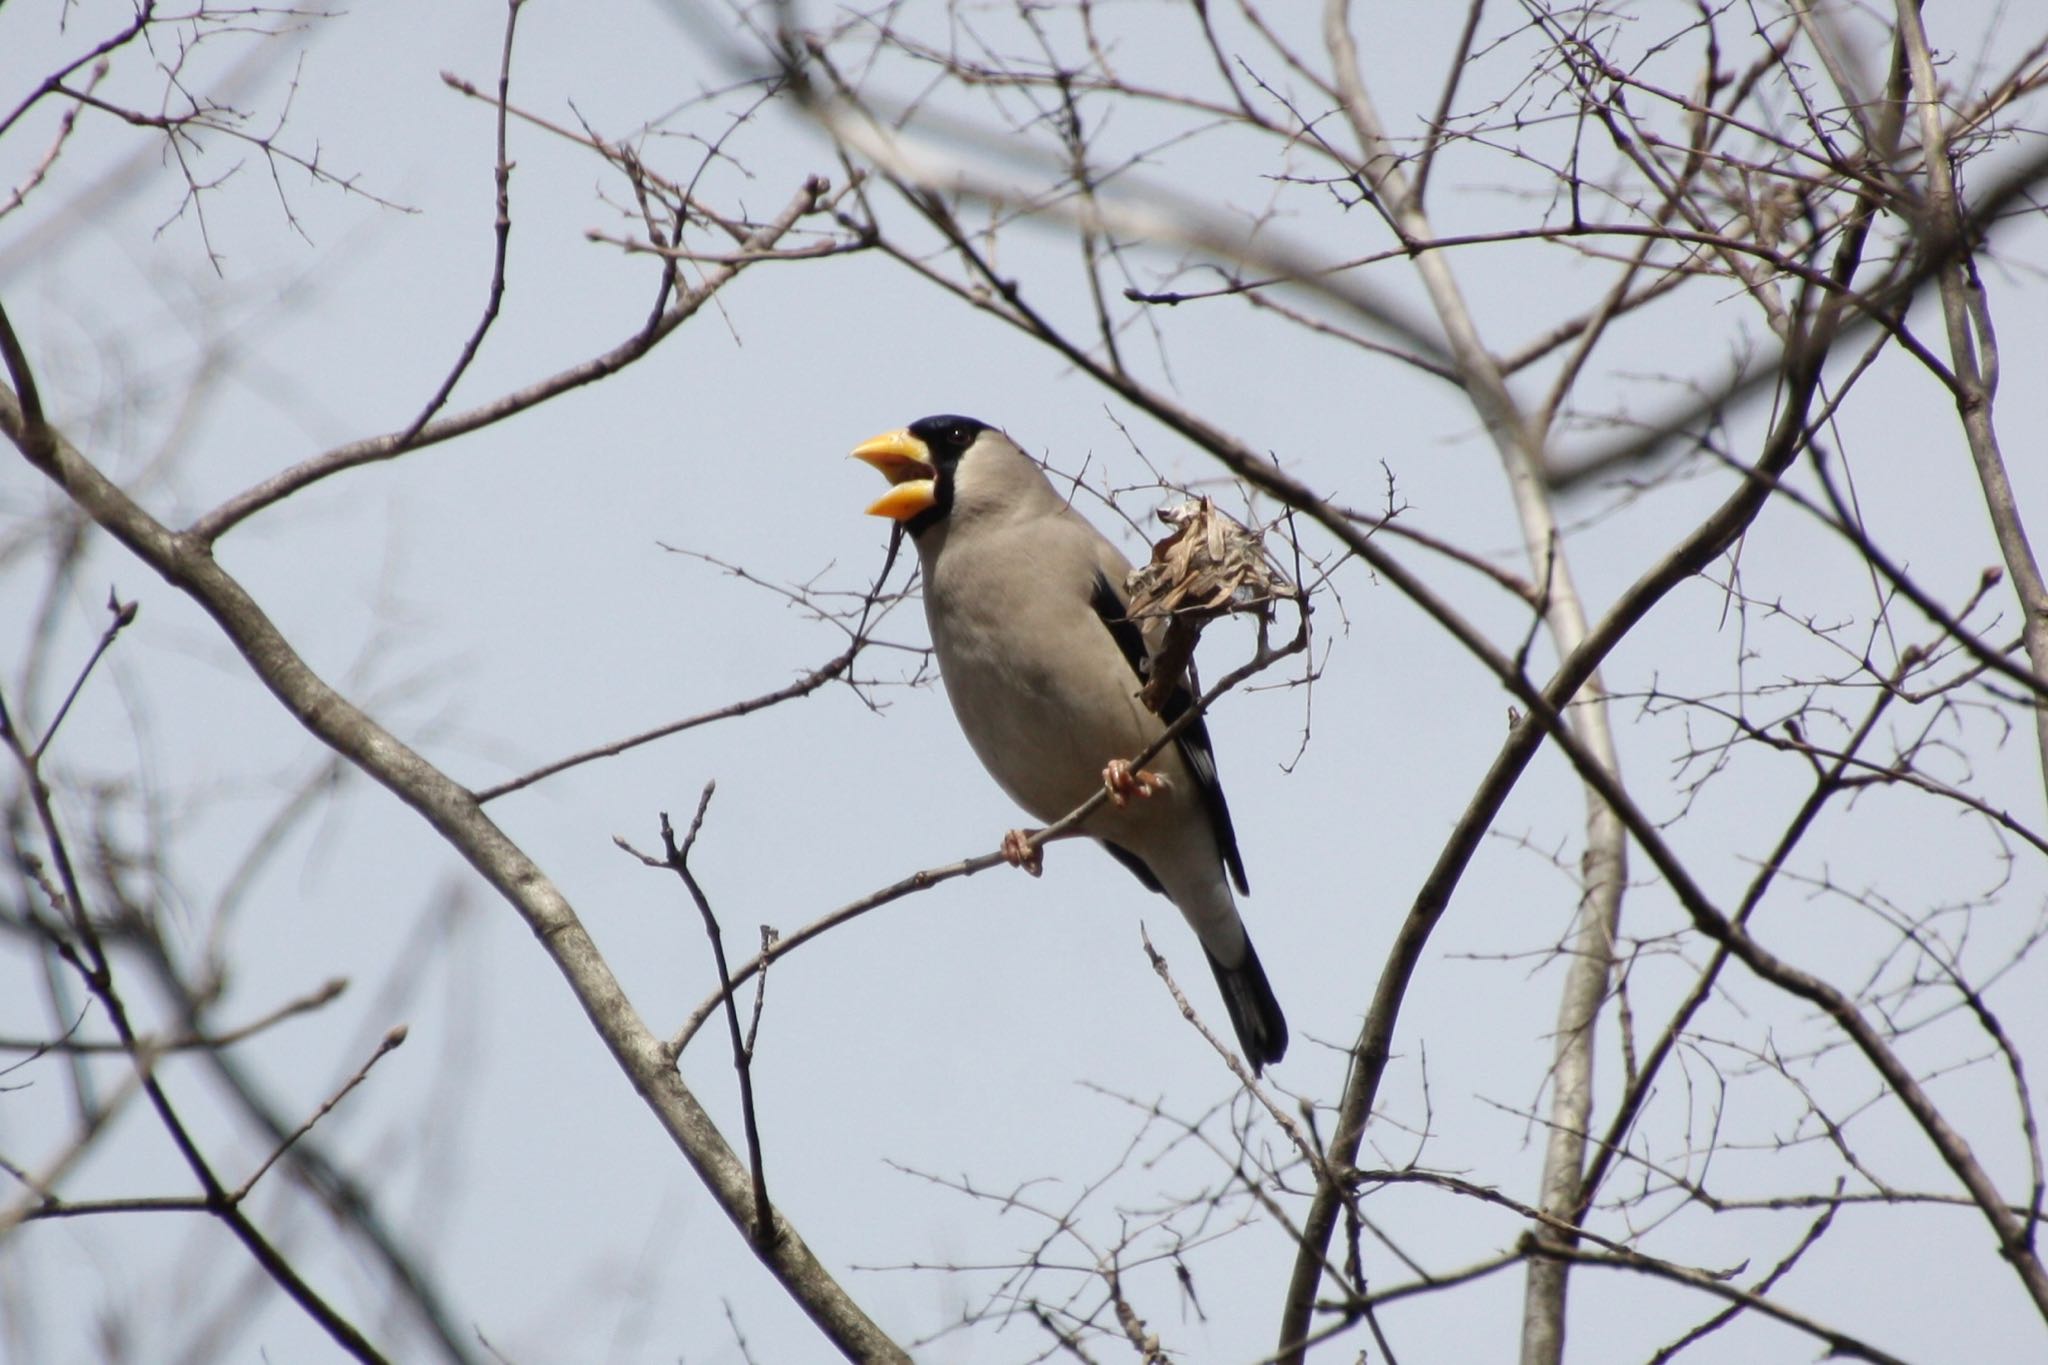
x,y
1044,747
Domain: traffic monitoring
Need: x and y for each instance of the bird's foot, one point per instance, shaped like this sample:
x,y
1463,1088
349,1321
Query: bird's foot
x,y
1018,852
1124,781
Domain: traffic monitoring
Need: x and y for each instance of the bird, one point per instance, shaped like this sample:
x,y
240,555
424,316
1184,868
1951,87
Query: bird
x,y
1028,614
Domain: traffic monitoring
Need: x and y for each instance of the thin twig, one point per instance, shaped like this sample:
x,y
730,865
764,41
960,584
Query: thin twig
x,y
124,613
190,1042
501,231
804,686
677,859
810,198
394,1039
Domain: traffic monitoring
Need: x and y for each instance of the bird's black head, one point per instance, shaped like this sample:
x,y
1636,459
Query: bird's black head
x,y
947,436
922,463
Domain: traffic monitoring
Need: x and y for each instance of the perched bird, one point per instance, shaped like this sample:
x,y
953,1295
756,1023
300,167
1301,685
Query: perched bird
x,y
1026,604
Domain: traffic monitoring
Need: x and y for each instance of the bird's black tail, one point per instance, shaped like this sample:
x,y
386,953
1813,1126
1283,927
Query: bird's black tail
x,y
1254,1013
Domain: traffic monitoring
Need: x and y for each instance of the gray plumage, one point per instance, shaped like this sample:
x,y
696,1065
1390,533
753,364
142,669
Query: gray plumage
x,y
1025,601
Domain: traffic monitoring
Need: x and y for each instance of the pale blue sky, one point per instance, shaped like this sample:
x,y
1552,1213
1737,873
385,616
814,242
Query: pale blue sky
x,y
505,599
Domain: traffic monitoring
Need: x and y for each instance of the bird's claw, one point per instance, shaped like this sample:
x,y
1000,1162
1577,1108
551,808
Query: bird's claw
x,y
1018,852
1123,781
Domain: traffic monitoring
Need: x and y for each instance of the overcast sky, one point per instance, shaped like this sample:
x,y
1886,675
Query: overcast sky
x,y
516,595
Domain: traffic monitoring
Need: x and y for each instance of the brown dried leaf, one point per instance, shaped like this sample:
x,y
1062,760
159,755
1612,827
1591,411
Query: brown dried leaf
x,y
1210,565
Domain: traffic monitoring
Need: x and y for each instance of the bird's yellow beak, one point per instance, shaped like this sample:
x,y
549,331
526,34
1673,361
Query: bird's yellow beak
x,y
906,463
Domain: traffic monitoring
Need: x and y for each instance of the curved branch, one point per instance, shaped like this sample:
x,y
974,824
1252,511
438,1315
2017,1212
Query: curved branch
x,y
184,561
216,523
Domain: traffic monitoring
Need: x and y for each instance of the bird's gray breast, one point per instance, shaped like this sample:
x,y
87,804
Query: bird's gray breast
x,y
1040,688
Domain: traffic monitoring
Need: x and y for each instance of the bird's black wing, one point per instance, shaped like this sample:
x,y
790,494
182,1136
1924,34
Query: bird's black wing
x,y
1195,749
